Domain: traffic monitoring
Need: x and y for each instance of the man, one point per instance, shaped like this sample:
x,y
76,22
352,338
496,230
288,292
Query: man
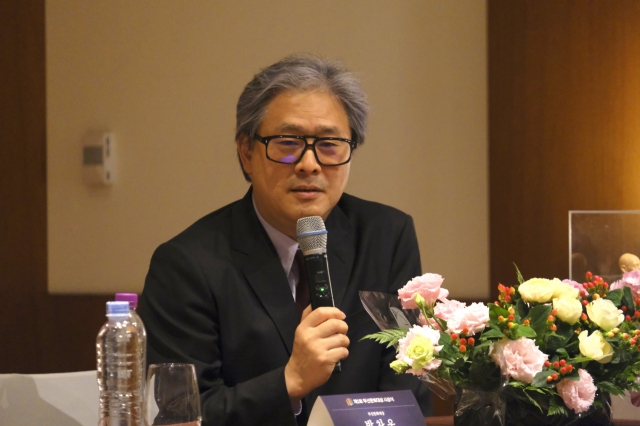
x,y
222,295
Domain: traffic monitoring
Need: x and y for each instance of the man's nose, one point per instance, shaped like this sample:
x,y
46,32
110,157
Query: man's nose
x,y
308,163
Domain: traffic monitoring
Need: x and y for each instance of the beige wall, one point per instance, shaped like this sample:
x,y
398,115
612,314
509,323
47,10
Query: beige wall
x,y
164,77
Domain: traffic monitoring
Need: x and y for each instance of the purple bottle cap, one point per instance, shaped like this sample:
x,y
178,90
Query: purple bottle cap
x,y
132,298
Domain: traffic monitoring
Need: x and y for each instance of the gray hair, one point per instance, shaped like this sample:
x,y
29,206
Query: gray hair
x,y
301,73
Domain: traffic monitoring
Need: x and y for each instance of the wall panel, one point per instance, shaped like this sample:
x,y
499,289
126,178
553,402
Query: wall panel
x,y
564,125
40,333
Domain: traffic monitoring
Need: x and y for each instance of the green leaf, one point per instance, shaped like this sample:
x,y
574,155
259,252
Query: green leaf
x,y
555,408
540,379
562,353
609,387
524,331
615,296
627,300
580,359
390,336
520,279
538,318
445,339
492,334
495,311
483,345
522,309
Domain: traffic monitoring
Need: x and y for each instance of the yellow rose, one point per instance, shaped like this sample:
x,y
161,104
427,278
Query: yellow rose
x,y
420,350
537,290
595,347
399,366
564,290
604,313
568,309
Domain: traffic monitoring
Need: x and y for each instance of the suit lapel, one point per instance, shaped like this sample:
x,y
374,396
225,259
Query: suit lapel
x,y
340,252
263,270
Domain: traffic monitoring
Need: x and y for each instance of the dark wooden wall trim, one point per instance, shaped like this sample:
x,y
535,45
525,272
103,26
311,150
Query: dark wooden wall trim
x,y
39,333
564,124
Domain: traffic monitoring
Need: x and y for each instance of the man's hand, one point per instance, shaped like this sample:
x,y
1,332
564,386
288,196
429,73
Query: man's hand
x,y
320,342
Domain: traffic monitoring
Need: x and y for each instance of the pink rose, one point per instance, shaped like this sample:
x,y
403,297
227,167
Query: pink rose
x,y
473,317
578,394
520,359
447,308
403,344
577,285
427,285
431,322
629,279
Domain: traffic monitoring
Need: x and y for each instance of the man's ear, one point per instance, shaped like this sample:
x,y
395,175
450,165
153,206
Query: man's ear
x,y
244,153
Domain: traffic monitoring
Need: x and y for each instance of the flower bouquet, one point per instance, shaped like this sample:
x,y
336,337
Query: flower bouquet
x,y
548,352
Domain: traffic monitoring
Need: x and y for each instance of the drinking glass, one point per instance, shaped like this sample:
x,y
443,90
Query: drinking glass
x,y
172,396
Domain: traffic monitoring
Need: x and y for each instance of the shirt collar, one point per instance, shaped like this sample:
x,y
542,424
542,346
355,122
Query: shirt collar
x,y
285,246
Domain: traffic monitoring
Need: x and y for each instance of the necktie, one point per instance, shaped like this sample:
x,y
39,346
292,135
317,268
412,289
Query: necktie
x,y
302,289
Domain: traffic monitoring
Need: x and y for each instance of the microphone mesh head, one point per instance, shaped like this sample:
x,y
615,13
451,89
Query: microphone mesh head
x,y
311,242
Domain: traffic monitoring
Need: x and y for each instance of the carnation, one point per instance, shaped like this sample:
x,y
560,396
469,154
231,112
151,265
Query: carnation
x,y
578,395
427,286
473,317
520,359
447,308
405,350
629,279
574,284
431,322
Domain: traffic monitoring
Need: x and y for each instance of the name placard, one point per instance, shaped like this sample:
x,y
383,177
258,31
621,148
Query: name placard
x,y
396,408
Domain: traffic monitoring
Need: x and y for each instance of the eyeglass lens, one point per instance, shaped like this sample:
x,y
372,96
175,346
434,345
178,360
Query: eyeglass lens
x,y
289,150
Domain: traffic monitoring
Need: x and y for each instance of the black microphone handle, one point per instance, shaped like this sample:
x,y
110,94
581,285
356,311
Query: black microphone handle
x,y
320,291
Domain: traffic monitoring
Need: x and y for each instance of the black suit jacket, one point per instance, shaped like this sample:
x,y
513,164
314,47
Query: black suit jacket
x,y
216,296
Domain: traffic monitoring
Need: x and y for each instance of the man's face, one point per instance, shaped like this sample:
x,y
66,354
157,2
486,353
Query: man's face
x,y
284,193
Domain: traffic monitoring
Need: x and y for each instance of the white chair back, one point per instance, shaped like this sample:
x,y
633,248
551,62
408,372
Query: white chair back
x,y
60,399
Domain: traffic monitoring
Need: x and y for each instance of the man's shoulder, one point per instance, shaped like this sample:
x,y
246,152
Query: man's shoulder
x,y
360,210
214,228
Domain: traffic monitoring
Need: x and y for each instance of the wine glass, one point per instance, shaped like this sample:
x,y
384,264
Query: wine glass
x,y
172,396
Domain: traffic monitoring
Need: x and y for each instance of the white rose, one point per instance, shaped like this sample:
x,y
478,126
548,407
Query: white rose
x,y
568,309
595,347
537,290
564,290
604,313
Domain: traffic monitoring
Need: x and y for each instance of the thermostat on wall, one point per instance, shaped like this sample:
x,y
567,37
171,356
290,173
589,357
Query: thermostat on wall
x,y
98,160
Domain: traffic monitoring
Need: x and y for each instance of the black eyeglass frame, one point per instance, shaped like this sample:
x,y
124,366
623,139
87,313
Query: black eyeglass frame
x,y
266,139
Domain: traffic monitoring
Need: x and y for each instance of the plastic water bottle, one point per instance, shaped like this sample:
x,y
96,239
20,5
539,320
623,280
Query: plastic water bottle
x,y
135,319
119,366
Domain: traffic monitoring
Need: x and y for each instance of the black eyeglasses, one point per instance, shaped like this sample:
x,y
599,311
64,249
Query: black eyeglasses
x,y
289,149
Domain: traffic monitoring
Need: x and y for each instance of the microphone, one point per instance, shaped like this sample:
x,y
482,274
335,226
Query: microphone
x,y
312,239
